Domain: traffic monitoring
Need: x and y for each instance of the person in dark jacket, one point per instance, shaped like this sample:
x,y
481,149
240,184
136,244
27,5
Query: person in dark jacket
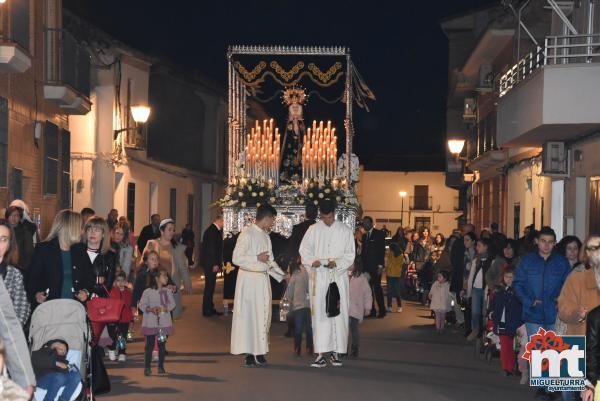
x,y
96,256
188,239
592,353
151,231
457,277
23,236
52,370
538,282
373,258
51,275
211,259
298,231
507,317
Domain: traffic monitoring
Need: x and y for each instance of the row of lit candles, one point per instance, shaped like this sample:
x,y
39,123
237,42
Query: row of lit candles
x,y
319,151
263,145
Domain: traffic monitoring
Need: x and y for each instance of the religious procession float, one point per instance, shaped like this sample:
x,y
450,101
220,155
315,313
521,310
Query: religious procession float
x,y
290,158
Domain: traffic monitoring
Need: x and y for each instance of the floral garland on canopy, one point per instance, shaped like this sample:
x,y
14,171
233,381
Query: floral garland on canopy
x,y
253,193
248,193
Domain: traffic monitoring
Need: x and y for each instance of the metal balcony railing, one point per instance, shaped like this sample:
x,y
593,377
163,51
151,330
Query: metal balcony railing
x,y
520,71
420,203
456,205
570,49
67,62
566,49
135,139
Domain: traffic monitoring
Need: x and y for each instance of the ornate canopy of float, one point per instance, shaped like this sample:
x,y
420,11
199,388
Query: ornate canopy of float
x,y
292,162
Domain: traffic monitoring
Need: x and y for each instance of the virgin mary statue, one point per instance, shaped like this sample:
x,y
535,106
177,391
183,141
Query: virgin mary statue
x,y
291,166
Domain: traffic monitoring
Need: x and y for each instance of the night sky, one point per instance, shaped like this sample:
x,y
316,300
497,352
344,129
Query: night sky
x,y
397,46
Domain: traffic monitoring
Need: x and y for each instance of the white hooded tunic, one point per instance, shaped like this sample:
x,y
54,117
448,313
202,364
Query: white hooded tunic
x,y
324,243
252,305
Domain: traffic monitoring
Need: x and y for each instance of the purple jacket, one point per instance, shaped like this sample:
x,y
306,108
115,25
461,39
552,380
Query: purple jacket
x,y
151,322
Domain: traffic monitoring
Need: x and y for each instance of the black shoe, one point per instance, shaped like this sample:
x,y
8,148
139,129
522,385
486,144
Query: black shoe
x,y
207,314
260,360
381,315
147,372
161,371
354,352
334,359
249,362
216,313
298,351
320,362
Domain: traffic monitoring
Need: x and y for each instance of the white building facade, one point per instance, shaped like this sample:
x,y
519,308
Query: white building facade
x,y
112,163
427,201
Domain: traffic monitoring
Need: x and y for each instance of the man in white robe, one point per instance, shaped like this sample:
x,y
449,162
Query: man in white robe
x,y
252,303
327,251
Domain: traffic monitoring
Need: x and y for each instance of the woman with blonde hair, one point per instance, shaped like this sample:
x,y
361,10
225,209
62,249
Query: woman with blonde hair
x,y
172,258
95,255
51,274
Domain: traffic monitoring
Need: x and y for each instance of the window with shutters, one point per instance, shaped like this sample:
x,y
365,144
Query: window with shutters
x,y
65,161
594,213
190,209
17,184
3,142
517,220
50,159
131,203
16,27
173,203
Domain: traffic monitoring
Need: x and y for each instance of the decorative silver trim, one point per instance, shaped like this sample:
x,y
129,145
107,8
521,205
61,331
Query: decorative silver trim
x,y
289,50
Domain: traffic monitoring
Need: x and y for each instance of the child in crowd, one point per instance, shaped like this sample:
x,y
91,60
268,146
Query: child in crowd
x,y
52,371
150,267
118,331
394,259
440,299
361,302
507,317
157,302
297,295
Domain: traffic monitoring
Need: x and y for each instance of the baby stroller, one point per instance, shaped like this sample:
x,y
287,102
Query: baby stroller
x,y
63,319
411,281
489,343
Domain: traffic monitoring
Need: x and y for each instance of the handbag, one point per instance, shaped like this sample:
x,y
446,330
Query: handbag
x,y
332,300
105,310
100,382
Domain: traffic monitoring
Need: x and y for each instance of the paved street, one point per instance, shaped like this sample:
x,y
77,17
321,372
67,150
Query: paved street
x,y
402,358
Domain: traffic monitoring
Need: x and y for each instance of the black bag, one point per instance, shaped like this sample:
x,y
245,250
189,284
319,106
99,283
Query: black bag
x,y
100,381
332,300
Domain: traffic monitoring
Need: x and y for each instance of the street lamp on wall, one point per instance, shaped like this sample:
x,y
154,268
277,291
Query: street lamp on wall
x,y
402,196
456,146
140,113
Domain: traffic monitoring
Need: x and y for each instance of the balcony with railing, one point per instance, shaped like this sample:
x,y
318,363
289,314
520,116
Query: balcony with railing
x,y
420,203
14,37
551,93
67,72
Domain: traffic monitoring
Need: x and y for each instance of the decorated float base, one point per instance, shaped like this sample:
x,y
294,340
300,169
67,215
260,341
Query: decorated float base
x,y
236,219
